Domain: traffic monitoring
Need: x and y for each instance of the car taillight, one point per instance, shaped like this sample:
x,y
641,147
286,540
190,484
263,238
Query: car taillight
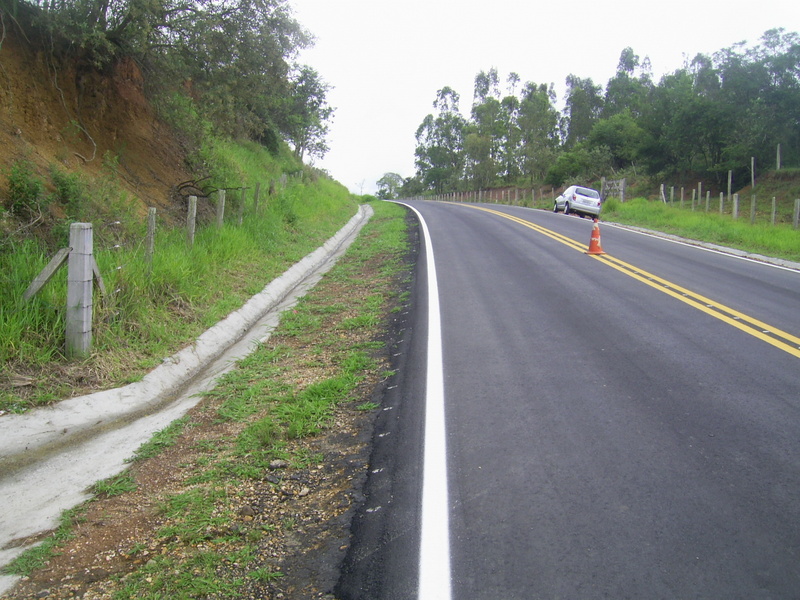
x,y
574,197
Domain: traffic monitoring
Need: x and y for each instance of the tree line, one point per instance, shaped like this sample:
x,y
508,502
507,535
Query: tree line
x,y
710,116
229,65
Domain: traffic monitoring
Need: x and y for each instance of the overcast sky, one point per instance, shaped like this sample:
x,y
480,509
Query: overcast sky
x,y
385,59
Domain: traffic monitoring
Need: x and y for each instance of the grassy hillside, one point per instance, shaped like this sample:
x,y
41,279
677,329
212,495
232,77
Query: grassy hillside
x,y
151,310
89,147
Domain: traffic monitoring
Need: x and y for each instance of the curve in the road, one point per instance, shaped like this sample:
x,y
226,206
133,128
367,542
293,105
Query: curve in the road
x,y
763,331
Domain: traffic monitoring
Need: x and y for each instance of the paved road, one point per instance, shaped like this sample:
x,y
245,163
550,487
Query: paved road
x,y
618,427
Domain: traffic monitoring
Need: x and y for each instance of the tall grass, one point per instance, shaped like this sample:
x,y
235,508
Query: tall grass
x,y
151,310
780,241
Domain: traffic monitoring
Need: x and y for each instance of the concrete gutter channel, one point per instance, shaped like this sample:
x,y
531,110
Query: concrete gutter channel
x,y
51,456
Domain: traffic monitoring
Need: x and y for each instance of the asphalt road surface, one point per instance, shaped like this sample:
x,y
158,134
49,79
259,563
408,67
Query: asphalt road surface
x,y
616,426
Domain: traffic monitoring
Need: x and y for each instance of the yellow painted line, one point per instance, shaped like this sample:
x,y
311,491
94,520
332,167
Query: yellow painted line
x,y
767,333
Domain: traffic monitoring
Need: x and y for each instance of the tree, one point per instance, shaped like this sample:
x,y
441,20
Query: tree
x,y
621,135
626,91
538,127
440,144
389,186
583,106
306,122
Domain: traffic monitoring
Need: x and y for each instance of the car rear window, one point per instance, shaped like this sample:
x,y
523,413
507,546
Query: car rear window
x,y
588,192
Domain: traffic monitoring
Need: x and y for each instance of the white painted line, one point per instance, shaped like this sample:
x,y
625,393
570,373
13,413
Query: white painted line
x,y
434,555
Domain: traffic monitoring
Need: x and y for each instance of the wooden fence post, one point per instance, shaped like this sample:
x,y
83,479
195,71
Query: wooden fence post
x,y
753,210
191,220
753,172
151,234
774,210
730,184
778,158
721,202
220,208
240,216
708,200
255,196
796,219
736,206
682,195
80,270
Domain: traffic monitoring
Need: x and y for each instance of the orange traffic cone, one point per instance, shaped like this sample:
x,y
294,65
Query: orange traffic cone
x,y
594,243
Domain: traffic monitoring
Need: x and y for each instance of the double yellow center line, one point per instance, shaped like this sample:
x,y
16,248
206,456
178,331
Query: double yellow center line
x,y
772,335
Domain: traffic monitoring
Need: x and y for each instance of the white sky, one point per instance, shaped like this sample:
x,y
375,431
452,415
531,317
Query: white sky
x,y
387,58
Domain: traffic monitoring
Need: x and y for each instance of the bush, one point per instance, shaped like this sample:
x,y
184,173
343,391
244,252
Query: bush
x,y
69,192
25,190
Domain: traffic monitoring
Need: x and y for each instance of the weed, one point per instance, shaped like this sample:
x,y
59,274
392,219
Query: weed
x,y
36,557
161,440
368,406
265,575
114,486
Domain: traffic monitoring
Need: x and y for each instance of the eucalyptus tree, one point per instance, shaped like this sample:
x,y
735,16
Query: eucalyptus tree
x,y
538,126
628,90
583,106
485,131
440,144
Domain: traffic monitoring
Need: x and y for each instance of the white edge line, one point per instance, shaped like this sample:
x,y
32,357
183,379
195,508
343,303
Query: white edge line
x,y
434,555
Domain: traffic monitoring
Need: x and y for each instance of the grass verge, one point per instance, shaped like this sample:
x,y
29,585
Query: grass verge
x,y
778,241
262,468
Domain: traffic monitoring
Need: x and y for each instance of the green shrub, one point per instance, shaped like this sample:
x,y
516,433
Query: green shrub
x,y
69,192
25,189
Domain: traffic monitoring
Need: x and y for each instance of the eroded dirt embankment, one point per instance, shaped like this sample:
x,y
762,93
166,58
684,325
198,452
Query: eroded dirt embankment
x,y
53,113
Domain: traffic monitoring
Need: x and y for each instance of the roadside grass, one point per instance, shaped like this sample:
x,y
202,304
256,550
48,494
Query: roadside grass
x,y
276,397
152,309
37,557
779,241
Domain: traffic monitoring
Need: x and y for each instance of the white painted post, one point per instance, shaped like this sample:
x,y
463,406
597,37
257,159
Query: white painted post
x,y
79,291
796,220
672,194
774,210
220,208
708,200
191,220
721,202
694,193
753,210
683,190
736,206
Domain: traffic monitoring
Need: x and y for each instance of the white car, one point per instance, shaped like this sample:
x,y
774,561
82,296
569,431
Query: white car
x,y
579,200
